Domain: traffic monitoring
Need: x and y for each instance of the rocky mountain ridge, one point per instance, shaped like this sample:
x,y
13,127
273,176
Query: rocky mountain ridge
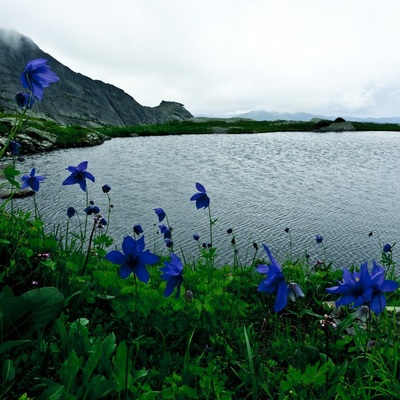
x,y
76,99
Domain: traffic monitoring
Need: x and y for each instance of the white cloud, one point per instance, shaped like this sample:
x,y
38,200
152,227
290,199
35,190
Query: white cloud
x,y
225,55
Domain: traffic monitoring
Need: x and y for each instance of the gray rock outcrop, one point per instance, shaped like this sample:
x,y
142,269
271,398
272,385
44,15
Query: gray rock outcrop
x,y
76,99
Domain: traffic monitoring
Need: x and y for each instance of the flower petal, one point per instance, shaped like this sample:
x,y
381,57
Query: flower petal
x,y
116,257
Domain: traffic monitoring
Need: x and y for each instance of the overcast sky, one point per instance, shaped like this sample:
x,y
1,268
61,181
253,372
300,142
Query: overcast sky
x,y
325,57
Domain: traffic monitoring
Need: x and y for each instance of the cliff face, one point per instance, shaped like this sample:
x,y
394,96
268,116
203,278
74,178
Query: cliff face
x,y
75,99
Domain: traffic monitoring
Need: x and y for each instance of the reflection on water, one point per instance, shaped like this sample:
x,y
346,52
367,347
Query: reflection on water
x,y
340,185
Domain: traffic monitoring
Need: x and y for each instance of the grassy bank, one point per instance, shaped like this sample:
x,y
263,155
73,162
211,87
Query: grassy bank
x,y
77,135
72,328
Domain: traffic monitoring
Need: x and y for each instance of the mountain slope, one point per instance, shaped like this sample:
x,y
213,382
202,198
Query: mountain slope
x,y
75,99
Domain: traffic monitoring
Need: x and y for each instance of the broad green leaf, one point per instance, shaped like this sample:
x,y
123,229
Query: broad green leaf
x,y
92,362
46,303
54,392
70,369
8,370
4,347
10,173
121,367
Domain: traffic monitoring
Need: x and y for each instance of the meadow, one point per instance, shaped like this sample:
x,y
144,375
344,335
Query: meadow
x,y
84,315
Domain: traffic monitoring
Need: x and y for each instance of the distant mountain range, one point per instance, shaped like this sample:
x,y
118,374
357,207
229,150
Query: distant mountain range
x,y
75,99
259,115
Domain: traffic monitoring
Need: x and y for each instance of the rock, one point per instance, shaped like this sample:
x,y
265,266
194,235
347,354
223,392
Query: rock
x,y
338,127
76,99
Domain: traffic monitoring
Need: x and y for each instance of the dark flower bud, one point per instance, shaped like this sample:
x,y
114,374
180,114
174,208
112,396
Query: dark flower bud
x,y
106,188
71,212
196,237
319,238
103,222
209,245
24,99
204,245
137,229
169,243
91,202
255,245
387,247
229,231
14,147
370,234
233,241
189,296
286,230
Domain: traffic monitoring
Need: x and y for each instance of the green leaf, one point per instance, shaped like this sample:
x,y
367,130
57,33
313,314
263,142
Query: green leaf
x,y
8,370
121,366
46,303
54,392
92,362
70,369
10,173
4,347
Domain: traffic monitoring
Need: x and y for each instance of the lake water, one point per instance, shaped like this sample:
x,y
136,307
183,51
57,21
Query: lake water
x,y
340,185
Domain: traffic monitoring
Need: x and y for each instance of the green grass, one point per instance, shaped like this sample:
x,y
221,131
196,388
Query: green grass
x,y
68,335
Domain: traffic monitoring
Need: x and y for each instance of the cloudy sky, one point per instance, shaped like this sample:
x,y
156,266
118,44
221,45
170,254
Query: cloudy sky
x,y
221,57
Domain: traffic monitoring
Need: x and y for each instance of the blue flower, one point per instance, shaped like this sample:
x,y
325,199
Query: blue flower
x,y
32,181
79,175
14,147
363,288
387,247
172,273
92,210
169,243
201,198
106,188
196,237
319,238
133,259
71,212
160,213
36,76
165,231
274,283
137,228
102,222
24,99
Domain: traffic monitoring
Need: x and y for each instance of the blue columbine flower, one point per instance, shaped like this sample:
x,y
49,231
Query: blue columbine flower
x,y
165,231
137,228
173,274
71,212
275,282
319,238
79,175
160,213
36,76
32,181
24,99
14,147
363,288
133,259
201,198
